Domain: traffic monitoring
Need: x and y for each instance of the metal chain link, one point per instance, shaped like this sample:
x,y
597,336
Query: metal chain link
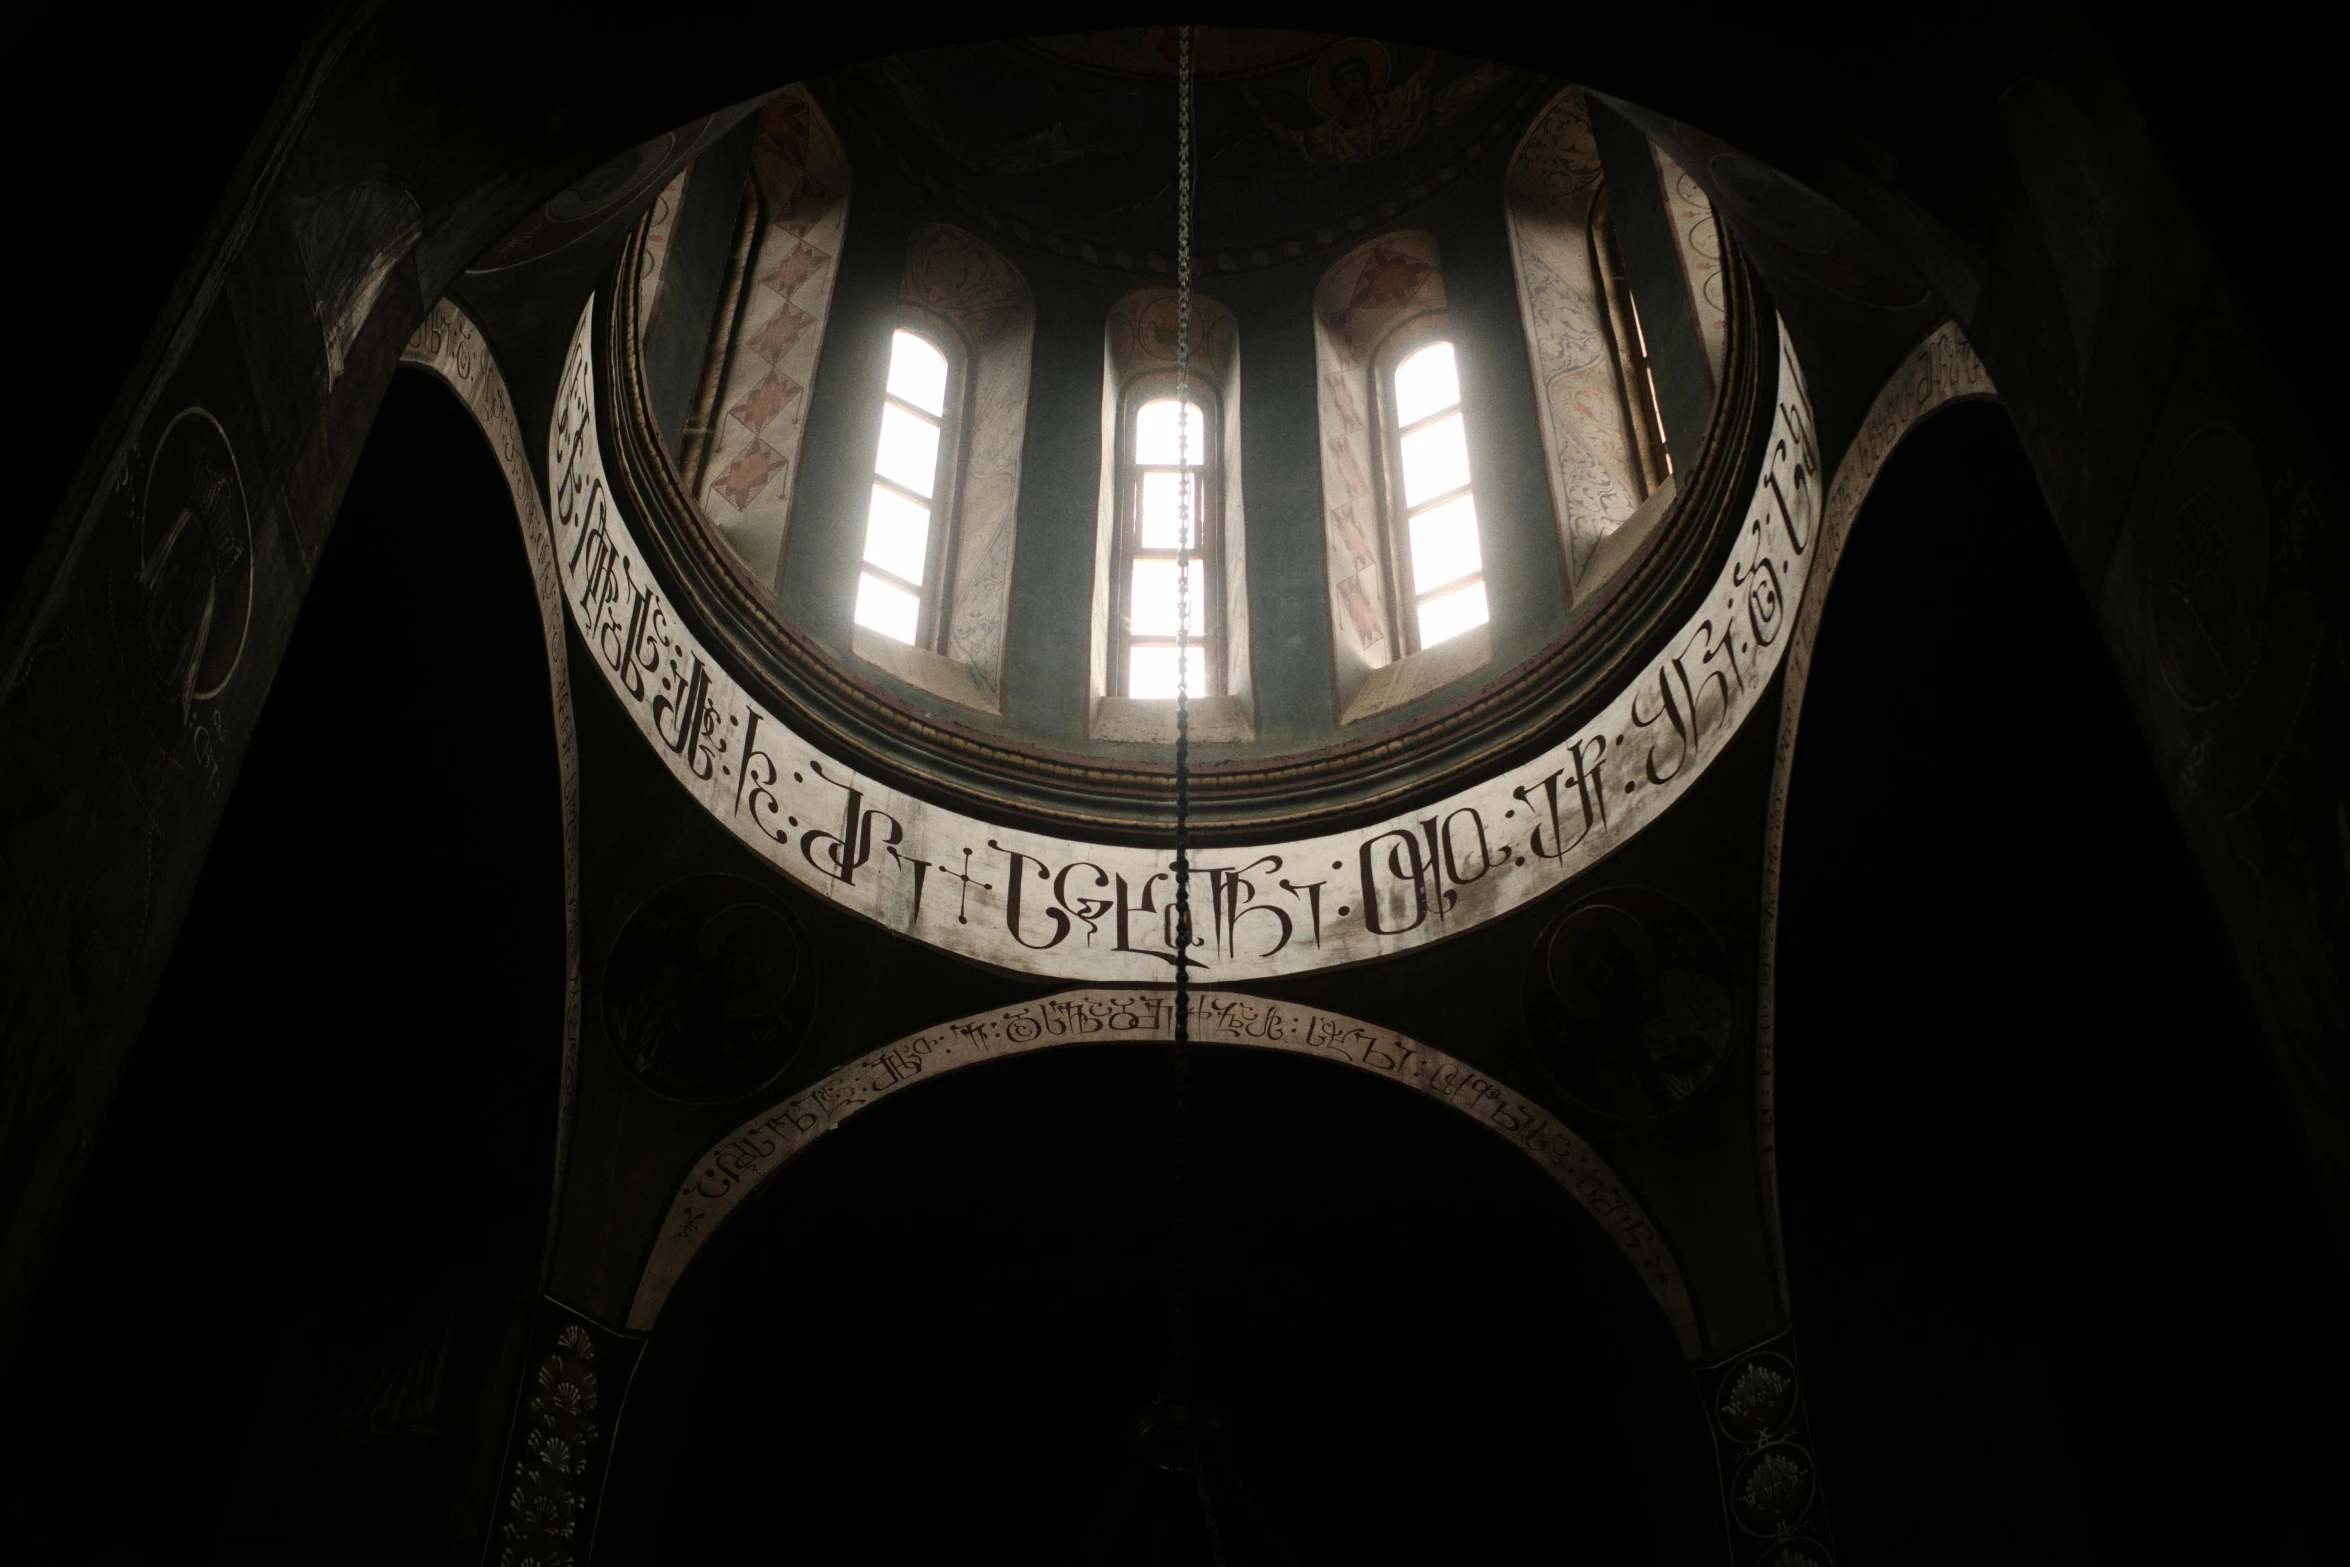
x,y
1184,516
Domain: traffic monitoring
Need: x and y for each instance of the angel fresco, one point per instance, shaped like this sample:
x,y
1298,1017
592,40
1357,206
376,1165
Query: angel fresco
x,y
1357,112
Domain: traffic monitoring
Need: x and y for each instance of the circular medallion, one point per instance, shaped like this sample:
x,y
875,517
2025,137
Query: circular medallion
x,y
1627,1002
1772,1489
195,558
1758,1399
708,990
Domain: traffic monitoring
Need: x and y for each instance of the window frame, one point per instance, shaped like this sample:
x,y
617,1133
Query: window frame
x,y
933,593
1208,616
1401,342
1643,414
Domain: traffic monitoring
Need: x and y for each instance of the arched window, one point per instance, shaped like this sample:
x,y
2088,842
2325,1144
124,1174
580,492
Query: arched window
x,y
1408,609
1167,480
934,576
1147,471
897,591
1620,291
1432,507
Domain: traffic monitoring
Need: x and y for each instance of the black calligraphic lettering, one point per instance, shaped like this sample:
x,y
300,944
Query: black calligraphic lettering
x,y
1405,865
1128,907
1766,604
628,657
1059,919
696,721
1087,910
759,772
1452,861
1446,898
1669,711
1312,892
1787,513
1589,756
844,852
1234,896
920,869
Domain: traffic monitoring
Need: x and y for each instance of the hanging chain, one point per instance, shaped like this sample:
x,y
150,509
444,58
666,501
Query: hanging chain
x,y
1183,535
1183,526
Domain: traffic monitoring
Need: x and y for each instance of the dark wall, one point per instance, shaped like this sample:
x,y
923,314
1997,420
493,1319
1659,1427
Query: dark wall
x,y
287,1289
2063,1279
934,1335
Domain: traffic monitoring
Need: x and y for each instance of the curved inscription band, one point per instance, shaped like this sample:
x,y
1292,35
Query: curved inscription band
x,y
1940,371
1100,912
735,1167
448,346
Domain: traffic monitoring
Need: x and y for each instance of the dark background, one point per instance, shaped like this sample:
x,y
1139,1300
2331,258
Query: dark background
x,y
2061,1282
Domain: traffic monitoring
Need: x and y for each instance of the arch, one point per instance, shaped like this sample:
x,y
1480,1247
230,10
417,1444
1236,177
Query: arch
x,y
449,347
738,1164
1940,371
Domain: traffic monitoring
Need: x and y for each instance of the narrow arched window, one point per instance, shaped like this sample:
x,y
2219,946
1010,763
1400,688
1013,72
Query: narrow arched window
x,y
1432,506
897,592
1148,472
1168,486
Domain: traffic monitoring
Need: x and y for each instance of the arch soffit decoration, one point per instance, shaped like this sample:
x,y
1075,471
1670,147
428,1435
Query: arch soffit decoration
x,y
1942,370
1095,912
735,1167
448,346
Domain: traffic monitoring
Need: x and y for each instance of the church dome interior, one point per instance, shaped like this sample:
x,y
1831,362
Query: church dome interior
x,y
1471,787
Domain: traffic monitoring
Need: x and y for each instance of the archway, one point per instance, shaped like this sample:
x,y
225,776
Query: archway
x,y
2042,1193
931,1333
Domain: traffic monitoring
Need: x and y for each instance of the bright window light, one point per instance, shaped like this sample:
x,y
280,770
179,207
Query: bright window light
x,y
1427,383
1439,510
887,608
1151,606
1162,500
905,467
1444,544
1155,439
1447,616
1150,670
917,374
897,535
1435,460
909,450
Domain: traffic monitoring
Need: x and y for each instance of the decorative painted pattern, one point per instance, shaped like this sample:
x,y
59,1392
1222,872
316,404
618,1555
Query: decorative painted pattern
x,y
1100,912
752,470
1365,295
734,1168
1553,181
652,273
1697,235
954,276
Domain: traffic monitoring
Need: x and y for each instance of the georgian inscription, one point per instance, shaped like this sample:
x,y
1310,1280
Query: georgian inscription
x,y
730,1171
1102,912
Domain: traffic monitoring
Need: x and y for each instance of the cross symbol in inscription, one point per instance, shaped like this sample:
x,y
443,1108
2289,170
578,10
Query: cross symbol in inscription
x,y
963,899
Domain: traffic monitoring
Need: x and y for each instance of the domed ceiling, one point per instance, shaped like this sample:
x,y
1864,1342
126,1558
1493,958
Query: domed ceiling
x,y
1350,192
1298,133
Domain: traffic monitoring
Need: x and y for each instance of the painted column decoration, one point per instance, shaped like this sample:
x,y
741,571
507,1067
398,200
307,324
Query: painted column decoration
x,y
1553,181
752,470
